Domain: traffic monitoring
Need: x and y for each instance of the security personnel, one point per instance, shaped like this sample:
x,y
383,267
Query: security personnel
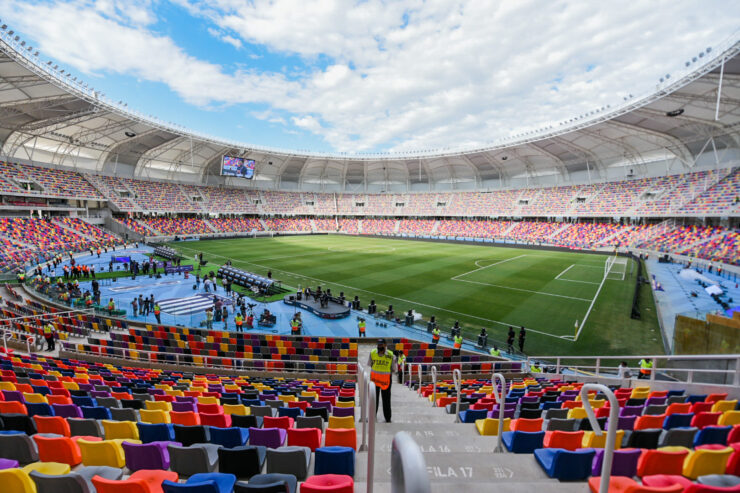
x,y
535,368
111,306
381,363
295,326
361,325
49,336
457,345
157,311
646,367
435,335
401,357
239,321
494,351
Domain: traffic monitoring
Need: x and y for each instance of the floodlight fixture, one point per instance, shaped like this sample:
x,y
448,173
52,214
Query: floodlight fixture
x,y
4,27
11,32
709,49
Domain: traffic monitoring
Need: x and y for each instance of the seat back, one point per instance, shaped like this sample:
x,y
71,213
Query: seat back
x,y
18,446
58,449
668,460
709,459
103,453
52,424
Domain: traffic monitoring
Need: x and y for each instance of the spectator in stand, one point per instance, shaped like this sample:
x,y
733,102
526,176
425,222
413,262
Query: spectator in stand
x,y
510,339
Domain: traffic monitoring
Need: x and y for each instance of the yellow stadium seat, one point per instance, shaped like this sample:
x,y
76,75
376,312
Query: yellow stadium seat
x,y
7,386
238,409
120,430
71,385
104,453
341,422
489,426
701,462
16,481
729,418
723,406
577,413
345,404
50,468
287,398
35,398
175,393
207,400
157,406
591,440
154,416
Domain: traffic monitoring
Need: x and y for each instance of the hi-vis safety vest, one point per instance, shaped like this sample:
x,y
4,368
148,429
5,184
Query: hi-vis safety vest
x,y
435,335
361,326
495,352
458,342
47,330
156,309
238,320
294,326
645,366
380,372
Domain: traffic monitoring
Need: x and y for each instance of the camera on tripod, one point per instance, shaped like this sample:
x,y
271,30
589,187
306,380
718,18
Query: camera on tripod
x,y
251,305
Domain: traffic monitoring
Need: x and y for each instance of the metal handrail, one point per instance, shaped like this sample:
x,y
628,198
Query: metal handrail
x,y
611,434
22,336
365,411
418,390
361,382
371,435
408,467
501,400
457,378
597,366
434,386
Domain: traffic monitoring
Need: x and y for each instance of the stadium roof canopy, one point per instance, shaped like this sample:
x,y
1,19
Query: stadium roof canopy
x,y
48,116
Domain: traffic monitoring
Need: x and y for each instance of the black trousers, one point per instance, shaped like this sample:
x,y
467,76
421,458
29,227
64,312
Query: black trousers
x,y
386,394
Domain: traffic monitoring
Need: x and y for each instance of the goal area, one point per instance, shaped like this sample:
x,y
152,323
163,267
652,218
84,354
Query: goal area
x,y
615,268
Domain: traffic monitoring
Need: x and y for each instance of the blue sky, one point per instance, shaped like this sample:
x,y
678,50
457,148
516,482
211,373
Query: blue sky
x,y
374,75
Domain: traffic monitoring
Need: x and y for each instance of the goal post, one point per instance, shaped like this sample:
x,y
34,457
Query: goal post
x,y
615,268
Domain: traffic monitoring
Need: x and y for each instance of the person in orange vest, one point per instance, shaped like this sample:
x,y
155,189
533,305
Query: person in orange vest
x,y
157,311
111,306
382,364
646,367
457,346
295,325
239,321
435,335
361,326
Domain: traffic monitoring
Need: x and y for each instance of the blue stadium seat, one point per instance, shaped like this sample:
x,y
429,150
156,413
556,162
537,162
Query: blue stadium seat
x,y
712,434
334,460
471,415
160,432
566,465
523,442
229,437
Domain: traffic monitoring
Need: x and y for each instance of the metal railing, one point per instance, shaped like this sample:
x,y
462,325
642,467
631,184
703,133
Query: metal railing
x,y
611,436
408,467
362,378
457,378
371,417
731,375
501,400
206,361
471,368
434,386
30,340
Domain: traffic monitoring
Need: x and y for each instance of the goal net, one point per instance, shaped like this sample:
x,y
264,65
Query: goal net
x,y
615,268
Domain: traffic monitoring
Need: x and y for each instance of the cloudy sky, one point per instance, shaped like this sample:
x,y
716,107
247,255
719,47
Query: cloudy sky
x,y
344,75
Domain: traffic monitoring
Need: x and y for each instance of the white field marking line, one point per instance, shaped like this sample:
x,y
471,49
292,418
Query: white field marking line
x,y
557,278
523,290
456,278
588,312
378,294
566,270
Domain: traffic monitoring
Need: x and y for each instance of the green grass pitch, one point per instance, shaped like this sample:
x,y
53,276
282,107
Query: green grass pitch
x,y
481,286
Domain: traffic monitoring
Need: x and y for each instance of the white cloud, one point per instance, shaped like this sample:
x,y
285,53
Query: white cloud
x,y
421,74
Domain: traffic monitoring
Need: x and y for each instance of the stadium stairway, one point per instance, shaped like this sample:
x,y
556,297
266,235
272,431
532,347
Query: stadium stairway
x,y
457,457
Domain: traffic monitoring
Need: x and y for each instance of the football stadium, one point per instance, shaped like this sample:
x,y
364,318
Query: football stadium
x,y
557,308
